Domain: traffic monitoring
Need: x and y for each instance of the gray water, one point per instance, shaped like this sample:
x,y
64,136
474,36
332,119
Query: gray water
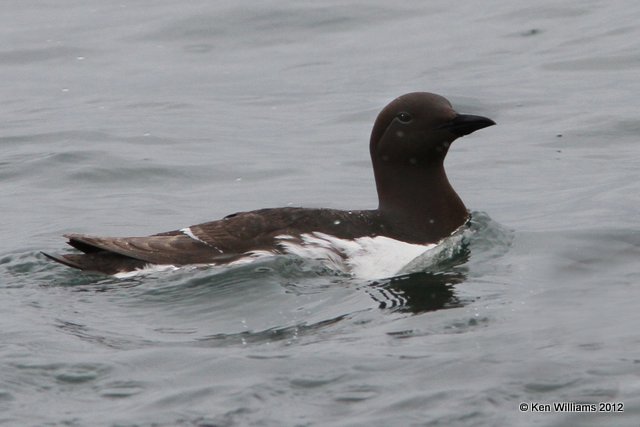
x,y
131,118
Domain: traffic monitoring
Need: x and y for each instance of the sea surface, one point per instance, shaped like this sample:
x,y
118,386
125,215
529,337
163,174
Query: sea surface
x,y
137,117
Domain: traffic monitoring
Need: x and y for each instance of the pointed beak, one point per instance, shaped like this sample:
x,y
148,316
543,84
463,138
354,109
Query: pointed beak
x,y
464,124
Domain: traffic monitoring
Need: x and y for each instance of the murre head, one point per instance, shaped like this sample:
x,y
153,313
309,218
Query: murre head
x,y
416,130
409,142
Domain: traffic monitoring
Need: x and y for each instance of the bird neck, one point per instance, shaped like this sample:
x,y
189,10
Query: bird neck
x,y
418,202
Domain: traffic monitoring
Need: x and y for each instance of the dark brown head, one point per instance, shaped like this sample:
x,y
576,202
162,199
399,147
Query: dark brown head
x,y
409,142
417,129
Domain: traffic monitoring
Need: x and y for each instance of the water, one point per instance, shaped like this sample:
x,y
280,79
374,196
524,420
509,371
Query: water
x,y
140,117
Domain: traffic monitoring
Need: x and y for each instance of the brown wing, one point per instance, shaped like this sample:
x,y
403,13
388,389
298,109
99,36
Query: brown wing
x,y
213,242
112,255
173,249
246,231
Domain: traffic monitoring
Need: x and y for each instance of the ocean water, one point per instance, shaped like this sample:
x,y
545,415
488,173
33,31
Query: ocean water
x,y
131,118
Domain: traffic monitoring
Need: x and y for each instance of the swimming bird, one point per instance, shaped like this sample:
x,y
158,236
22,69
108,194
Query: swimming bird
x,y
417,206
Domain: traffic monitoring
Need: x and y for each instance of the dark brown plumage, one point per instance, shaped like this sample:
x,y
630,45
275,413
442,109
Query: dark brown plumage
x,y
409,142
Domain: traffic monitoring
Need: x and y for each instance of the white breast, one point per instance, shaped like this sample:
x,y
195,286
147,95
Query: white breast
x,y
364,257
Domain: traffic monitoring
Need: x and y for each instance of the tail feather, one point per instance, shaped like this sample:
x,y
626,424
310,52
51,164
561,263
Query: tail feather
x,y
100,262
111,255
62,259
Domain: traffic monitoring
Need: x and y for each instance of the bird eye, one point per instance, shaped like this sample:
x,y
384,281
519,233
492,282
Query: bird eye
x,y
404,117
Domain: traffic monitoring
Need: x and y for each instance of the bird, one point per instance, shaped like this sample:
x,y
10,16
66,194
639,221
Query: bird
x,y
417,208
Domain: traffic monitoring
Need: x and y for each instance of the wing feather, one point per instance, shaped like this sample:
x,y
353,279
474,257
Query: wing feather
x,y
176,250
213,242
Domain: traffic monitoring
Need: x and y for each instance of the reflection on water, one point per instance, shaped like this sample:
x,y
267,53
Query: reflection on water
x,y
433,288
425,290
418,292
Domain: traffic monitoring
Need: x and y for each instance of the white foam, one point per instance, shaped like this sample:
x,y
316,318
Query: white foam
x,y
285,237
251,256
147,269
